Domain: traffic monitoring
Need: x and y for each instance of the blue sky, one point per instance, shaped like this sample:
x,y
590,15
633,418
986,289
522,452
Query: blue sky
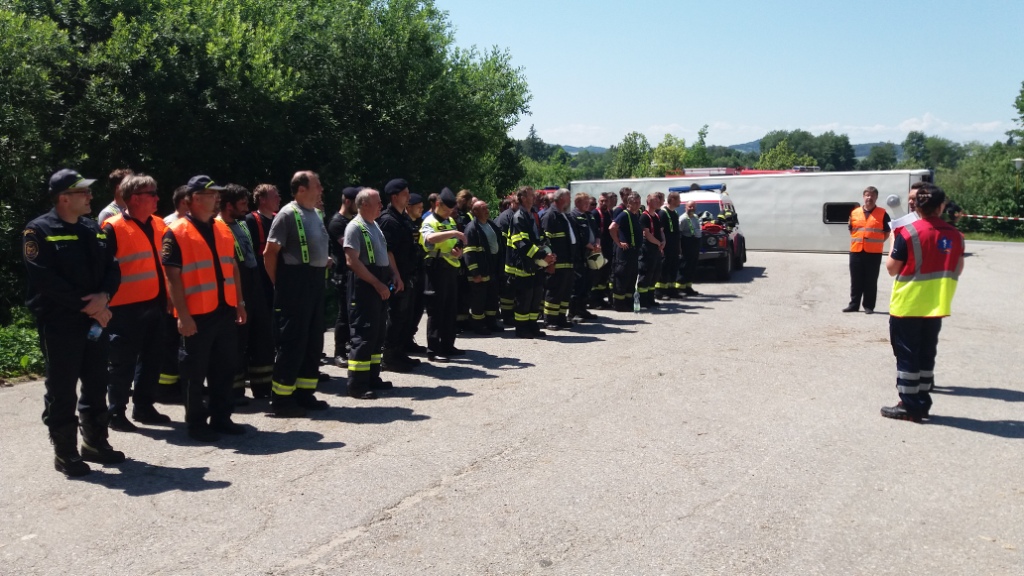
x,y
874,70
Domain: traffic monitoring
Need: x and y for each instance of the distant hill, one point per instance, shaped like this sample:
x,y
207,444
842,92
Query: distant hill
x,y
574,150
859,150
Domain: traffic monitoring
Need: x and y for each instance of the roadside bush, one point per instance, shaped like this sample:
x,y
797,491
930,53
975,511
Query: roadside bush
x,y
19,346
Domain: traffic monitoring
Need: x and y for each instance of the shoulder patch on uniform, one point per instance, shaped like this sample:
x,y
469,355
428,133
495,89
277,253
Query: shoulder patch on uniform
x,y
28,232
31,248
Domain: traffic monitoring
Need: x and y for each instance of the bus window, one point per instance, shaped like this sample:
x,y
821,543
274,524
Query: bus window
x,y
837,212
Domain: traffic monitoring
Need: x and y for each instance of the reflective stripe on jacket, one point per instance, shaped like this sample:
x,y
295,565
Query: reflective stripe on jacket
x,y
926,283
197,273
140,278
867,234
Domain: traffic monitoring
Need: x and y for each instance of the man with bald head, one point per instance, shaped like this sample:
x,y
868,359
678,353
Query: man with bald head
x,y
481,257
689,235
296,261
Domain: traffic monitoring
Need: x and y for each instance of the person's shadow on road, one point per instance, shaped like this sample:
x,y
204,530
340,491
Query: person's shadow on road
x,y
1002,428
991,393
137,478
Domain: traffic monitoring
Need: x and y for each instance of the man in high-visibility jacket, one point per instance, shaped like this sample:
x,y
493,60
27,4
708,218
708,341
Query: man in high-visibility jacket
x,y
927,258
869,226
296,259
442,242
138,308
198,255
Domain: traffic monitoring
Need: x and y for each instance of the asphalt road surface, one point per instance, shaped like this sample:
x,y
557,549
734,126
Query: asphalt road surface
x,y
733,433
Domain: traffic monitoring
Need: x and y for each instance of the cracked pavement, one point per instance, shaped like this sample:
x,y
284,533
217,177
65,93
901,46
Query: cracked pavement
x,y
734,433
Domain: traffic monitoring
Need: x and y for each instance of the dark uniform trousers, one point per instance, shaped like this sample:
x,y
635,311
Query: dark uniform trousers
x,y
255,338
915,343
417,307
210,355
689,260
667,283
864,278
298,325
442,305
483,300
507,297
582,279
529,294
367,317
341,327
170,383
557,289
462,316
624,277
69,356
649,272
136,347
399,328
257,351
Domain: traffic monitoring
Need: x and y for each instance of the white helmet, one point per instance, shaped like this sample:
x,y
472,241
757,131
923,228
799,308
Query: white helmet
x,y
596,261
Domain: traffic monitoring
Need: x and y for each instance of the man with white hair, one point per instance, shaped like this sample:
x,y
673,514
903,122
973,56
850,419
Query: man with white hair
x,y
481,257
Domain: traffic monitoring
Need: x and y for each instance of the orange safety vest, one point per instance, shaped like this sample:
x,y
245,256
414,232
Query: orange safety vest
x,y
140,280
197,273
867,234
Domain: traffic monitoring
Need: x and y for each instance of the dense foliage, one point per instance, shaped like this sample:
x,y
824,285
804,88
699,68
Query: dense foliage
x,y
246,91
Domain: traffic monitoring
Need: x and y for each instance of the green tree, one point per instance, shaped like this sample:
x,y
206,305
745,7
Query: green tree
x,y
697,155
834,152
881,157
915,153
670,155
591,166
632,158
782,157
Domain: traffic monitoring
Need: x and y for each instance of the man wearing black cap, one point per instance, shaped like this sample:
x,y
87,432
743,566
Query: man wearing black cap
x,y
339,272
442,242
204,284
415,212
72,275
400,235
524,256
296,260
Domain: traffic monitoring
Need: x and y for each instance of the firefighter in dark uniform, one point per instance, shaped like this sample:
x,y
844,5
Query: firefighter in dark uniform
x,y
170,387
372,281
601,291
71,277
523,254
296,259
561,239
586,244
400,236
463,205
256,332
267,200
198,255
483,253
667,287
651,253
630,238
442,242
136,327
339,272
414,284
506,293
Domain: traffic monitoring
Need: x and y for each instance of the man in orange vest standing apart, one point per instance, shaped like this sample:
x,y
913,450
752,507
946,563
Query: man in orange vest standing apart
x,y
869,227
203,282
138,307
927,258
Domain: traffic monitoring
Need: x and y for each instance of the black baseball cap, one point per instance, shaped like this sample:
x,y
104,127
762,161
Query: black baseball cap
x,y
351,192
448,197
415,199
67,179
395,187
202,183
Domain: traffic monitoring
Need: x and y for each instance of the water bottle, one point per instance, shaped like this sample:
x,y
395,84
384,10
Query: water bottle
x,y
95,331
636,302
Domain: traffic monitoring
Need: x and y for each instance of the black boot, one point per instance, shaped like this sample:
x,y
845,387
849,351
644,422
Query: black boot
x,y
392,361
95,447
66,458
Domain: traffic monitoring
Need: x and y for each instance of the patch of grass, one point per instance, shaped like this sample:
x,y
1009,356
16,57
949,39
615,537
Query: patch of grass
x,y
19,352
992,237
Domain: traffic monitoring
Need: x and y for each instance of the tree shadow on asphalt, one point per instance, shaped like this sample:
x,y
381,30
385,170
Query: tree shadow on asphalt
x,y
990,393
137,478
424,392
1002,428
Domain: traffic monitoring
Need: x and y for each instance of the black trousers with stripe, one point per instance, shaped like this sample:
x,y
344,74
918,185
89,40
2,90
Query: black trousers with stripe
x,y
298,324
367,321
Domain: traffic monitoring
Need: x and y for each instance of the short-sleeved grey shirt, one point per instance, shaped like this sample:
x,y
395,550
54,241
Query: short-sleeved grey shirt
x,y
354,239
285,233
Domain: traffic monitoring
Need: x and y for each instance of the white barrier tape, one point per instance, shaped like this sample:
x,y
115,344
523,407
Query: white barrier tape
x,y
1013,218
